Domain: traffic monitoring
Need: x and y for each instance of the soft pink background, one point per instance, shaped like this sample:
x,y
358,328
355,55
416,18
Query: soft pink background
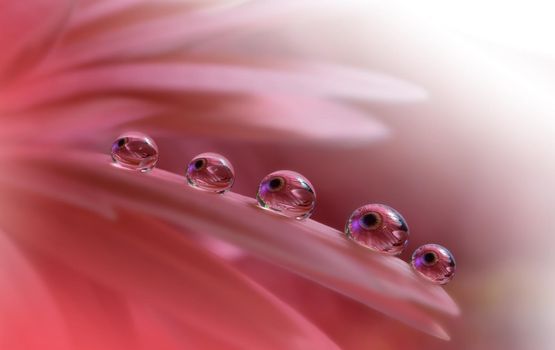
x,y
465,152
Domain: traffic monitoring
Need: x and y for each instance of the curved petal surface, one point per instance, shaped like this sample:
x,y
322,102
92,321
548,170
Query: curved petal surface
x,y
105,272
308,248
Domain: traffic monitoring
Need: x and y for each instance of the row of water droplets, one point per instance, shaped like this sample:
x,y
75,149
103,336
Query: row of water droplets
x,y
375,226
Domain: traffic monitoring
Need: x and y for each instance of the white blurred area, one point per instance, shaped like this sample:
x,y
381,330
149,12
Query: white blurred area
x,y
489,125
522,25
490,69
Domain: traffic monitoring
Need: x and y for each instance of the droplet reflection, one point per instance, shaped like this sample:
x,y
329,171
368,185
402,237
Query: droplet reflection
x,y
135,151
378,227
288,193
210,172
434,263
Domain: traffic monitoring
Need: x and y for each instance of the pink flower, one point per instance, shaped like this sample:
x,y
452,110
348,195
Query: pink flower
x,y
94,257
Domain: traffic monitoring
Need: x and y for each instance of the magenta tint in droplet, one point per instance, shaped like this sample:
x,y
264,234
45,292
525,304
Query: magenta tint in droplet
x,y
378,227
288,193
434,263
210,172
135,151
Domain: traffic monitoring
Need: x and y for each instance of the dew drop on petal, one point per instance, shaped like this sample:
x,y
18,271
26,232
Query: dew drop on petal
x,y
434,263
210,172
135,151
288,193
379,228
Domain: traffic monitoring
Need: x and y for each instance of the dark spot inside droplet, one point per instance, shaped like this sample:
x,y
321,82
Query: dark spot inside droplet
x,y
199,164
121,142
370,220
403,224
429,258
275,183
307,187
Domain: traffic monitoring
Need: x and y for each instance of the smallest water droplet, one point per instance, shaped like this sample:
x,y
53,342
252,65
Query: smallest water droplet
x,y
135,151
434,263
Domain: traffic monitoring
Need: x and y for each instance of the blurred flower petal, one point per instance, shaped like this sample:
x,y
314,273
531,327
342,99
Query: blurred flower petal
x,y
342,318
75,121
23,288
261,118
123,30
27,32
91,11
269,118
308,248
96,269
293,79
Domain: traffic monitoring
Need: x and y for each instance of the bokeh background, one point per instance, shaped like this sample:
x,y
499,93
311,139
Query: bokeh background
x,y
471,167
469,161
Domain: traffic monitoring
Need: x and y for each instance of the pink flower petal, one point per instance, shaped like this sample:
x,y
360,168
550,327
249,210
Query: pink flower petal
x,y
336,314
191,77
91,11
123,30
28,29
23,288
94,266
77,121
294,119
307,248
265,118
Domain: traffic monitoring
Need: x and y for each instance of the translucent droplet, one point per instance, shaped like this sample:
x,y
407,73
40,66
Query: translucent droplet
x,y
210,172
288,193
135,151
434,263
378,227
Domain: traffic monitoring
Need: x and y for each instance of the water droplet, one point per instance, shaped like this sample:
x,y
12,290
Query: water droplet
x,y
135,151
434,263
378,227
288,193
210,172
